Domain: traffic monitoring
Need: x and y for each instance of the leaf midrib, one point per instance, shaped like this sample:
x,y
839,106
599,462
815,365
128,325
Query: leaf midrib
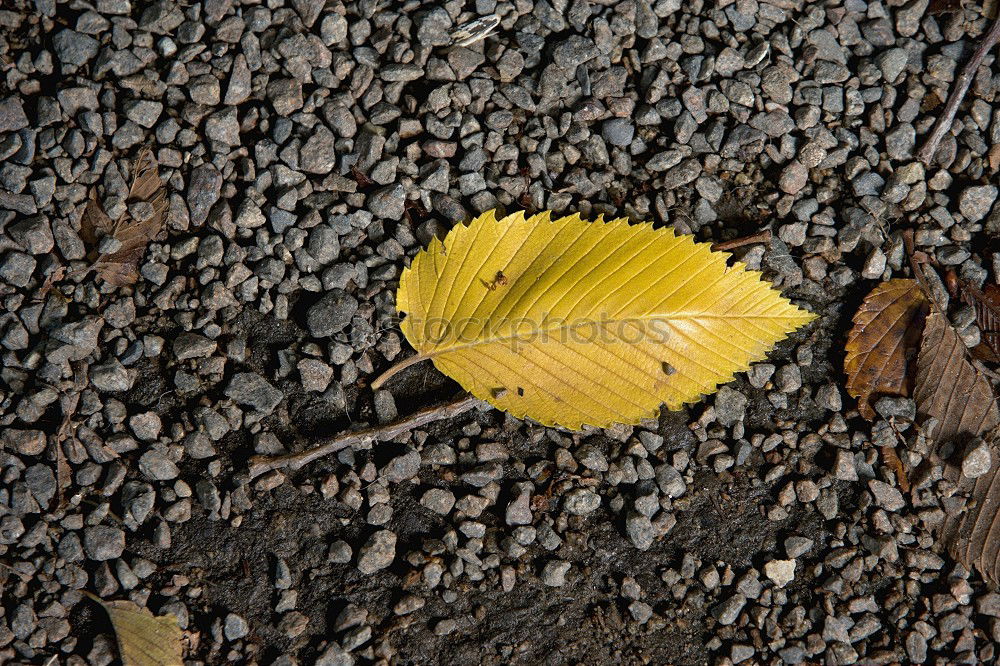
x,y
552,329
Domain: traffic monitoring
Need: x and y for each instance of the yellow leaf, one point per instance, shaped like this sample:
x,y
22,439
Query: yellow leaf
x,y
574,323
144,639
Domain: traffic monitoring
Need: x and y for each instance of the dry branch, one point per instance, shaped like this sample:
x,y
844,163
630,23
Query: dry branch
x,y
958,91
263,464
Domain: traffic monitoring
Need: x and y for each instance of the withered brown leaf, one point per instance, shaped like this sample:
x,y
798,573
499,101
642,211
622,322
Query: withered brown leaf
x,y
971,528
949,388
121,267
881,345
143,638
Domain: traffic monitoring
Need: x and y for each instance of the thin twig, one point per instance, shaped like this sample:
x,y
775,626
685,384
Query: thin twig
x,y
762,237
263,464
402,365
958,91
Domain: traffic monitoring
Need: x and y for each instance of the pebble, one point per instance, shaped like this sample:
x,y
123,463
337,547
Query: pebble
x,y
581,501
103,542
554,573
977,460
235,627
975,202
252,390
781,572
331,314
640,530
886,496
377,553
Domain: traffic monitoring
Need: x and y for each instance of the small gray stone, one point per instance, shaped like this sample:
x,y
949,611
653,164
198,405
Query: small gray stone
x,y
781,572
670,481
388,202
103,542
223,127
143,112
249,388
581,501
377,553
331,314
74,48
110,377
402,468
892,62
844,468
797,545
235,627
438,500
788,378
728,610
385,407
975,202
340,552
204,189
793,177
618,131
977,460
519,508
554,573
239,87
285,95
191,345
730,406
25,442
640,530
157,467
12,116
886,496
317,155
16,268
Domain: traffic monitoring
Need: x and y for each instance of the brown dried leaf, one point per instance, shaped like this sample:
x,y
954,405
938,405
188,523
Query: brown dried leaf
x,y
987,306
883,342
971,529
891,459
948,386
121,268
145,639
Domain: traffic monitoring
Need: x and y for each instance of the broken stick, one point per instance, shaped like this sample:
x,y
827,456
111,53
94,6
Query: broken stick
x,y
263,464
958,90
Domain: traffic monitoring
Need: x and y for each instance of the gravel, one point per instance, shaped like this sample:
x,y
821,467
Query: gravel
x,y
377,553
307,152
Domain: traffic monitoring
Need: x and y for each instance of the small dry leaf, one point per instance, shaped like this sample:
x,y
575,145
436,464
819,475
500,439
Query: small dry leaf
x,y
949,388
881,346
144,639
121,267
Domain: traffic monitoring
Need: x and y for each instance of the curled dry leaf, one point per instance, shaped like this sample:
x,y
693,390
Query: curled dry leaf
x,y
121,266
949,388
571,322
144,639
883,342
